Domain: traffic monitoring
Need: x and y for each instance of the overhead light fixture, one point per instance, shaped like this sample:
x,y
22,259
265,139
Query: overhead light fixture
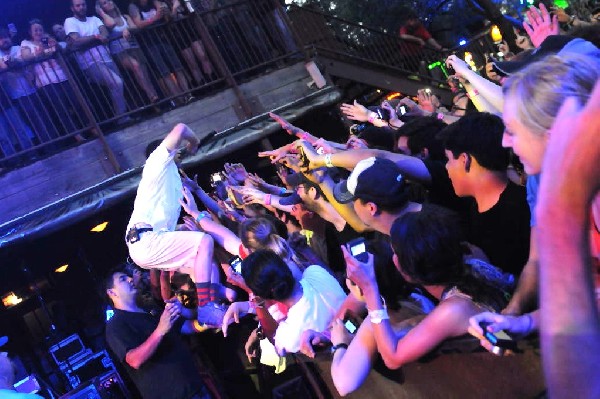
x,y
62,269
100,227
11,299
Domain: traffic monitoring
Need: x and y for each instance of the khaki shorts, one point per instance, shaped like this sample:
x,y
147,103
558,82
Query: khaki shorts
x,y
166,250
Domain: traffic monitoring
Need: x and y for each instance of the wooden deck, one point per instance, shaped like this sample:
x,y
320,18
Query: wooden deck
x,y
44,189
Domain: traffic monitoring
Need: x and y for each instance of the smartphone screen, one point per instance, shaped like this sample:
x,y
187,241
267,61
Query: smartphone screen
x,y
402,109
215,177
236,264
350,326
358,249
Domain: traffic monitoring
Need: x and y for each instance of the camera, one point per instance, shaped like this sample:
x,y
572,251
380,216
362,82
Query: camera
x,y
358,128
236,264
304,162
215,178
383,114
350,326
358,249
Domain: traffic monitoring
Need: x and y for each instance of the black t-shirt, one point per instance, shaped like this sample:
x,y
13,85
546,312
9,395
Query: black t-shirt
x,y
170,372
502,232
334,239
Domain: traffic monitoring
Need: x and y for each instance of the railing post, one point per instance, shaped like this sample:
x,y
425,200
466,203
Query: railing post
x,y
90,116
288,23
219,62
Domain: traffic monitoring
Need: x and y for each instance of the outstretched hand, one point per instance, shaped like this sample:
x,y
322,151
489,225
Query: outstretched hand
x,y
188,202
355,111
285,125
540,24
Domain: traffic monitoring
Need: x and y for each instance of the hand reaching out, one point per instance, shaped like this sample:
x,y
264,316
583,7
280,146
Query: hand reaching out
x,y
540,24
233,314
361,274
311,339
285,125
188,203
461,68
355,111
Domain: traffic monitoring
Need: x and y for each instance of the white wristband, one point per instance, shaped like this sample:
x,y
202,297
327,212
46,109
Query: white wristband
x,y
328,161
378,315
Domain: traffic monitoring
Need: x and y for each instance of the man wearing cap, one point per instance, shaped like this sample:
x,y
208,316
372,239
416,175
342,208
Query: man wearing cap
x,y
378,192
473,182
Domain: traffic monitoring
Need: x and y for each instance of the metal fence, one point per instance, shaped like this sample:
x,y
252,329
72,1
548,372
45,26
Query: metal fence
x,y
332,36
67,95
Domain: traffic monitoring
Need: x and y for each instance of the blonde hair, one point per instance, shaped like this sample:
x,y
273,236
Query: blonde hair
x,y
540,89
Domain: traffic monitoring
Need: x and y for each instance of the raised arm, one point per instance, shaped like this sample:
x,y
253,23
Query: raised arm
x,y
490,91
181,133
412,167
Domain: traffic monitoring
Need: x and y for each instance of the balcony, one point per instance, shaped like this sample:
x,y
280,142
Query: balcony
x,y
68,148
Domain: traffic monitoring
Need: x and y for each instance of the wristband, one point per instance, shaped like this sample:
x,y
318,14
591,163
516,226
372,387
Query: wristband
x,y
267,199
371,116
440,116
282,190
378,315
338,346
474,93
200,216
328,161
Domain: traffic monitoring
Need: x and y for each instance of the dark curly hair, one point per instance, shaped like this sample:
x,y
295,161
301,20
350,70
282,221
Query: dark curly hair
x,y
268,276
429,248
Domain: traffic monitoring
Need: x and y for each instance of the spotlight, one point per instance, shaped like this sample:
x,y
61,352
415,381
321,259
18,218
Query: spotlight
x,y
99,228
11,299
462,42
62,269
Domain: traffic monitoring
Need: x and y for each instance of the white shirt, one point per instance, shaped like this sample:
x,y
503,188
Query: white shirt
x,y
322,296
89,27
159,192
46,72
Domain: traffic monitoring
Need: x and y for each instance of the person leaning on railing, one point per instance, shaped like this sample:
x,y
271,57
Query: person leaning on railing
x,y
149,13
51,78
123,46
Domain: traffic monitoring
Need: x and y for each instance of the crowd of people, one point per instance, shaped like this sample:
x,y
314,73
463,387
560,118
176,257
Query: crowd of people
x,y
427,224
122,61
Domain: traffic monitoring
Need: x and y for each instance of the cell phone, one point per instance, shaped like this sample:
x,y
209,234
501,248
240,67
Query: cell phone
x,y
498,339
45,41
358,249
383,114
350,326
236,264
304,162
215,177
235,197
402,109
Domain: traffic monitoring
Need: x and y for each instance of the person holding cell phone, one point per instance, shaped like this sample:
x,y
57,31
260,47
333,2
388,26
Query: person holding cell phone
x,y
427,251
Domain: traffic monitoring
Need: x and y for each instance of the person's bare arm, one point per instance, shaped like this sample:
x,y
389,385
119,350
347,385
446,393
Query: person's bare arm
x,y
490,91
570,324
76,41
134,13
178,135
136,357
413,168
346,211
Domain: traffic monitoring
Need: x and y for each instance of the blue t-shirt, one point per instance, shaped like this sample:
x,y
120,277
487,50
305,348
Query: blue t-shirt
x,y
533,185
